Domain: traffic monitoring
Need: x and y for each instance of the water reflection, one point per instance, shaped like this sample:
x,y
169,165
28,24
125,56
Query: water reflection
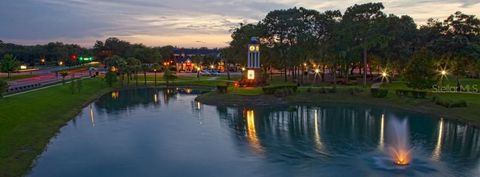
x,y
252,133
146,132
333,131
143,97
382,133
92,118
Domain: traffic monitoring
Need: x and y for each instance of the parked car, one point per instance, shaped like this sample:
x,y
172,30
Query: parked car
x,y
214,73
205,73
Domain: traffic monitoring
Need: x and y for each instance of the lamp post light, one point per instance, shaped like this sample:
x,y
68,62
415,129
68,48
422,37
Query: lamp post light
x,y
317,71
155,75
444,74
198,73
384,76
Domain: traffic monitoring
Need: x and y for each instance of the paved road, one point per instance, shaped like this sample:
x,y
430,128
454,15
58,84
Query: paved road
x,y
44,77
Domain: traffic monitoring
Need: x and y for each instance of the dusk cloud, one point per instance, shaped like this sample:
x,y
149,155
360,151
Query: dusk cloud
x,y
189,23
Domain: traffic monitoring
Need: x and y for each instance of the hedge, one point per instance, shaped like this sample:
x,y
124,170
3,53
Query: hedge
x,y
270,90
414,93
449,103
379,93
222,88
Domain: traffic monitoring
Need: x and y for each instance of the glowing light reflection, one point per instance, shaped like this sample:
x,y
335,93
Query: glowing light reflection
x,y
252,133
382,130
318,141
438,147
92,118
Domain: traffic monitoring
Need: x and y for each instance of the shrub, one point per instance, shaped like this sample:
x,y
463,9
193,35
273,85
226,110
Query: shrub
x,y
110,78
322,90
419,94
379,93
449,103
283,92
269,90
222,88
309,89
401,92
355,90
332,90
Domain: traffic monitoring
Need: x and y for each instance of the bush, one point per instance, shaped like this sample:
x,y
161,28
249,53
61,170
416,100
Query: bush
x,y
419,94
283,92
222,88
401,92
322,90
110,78
269,90
355,90
379,93
449,103
309,89
332,90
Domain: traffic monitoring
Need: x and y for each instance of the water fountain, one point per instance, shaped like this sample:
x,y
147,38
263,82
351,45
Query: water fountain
x,y
398,141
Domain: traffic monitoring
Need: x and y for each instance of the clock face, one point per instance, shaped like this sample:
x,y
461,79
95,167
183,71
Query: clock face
x,y
252,48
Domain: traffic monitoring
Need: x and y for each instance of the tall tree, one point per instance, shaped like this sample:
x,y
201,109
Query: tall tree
x,y
9,64
362,21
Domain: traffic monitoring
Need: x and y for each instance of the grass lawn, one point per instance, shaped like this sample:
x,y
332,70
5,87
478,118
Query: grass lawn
x,y
28,121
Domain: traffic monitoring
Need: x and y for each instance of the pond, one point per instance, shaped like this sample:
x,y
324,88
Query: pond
x,y
165,132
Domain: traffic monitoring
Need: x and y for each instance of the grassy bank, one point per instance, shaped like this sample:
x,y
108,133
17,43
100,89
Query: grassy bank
x,y
28,121
470,114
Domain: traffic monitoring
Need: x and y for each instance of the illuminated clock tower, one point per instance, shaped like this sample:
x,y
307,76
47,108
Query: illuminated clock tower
x,y
253,74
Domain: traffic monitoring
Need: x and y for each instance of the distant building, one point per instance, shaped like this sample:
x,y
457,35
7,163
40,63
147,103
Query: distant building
x,y
183,58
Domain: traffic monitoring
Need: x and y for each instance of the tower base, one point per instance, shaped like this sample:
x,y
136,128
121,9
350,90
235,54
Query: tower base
x,y
252,77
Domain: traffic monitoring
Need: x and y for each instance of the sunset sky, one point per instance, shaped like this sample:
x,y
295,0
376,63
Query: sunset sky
x,y
183,23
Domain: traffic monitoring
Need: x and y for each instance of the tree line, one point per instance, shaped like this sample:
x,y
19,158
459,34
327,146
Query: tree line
x,y
57,51
363,38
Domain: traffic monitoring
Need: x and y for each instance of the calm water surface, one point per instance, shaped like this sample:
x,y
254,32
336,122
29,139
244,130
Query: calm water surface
x,y
147,132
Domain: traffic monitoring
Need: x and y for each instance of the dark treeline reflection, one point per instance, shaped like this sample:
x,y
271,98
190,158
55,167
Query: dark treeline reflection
x,y
335,131
118,101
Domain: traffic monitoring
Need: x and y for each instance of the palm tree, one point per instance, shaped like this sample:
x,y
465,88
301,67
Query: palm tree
x,y
133,66
145,68
156,67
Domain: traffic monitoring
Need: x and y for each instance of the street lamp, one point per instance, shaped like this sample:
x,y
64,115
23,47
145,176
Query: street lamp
x,y
443,72
155,73
384,74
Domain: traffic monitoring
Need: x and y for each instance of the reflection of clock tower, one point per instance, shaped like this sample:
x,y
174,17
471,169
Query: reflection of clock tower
x,y
253,75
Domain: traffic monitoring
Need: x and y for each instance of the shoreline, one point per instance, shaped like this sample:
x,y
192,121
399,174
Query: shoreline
x,y
424,107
